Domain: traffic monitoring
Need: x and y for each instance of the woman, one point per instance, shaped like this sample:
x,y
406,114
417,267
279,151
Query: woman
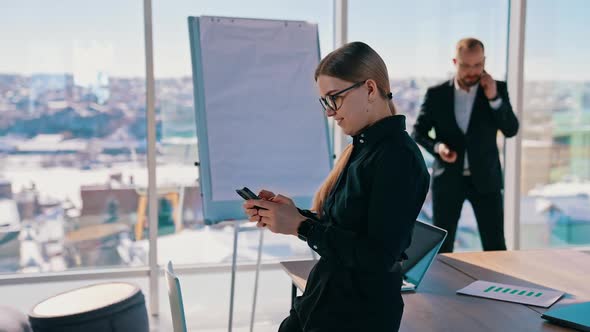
x,y
364,211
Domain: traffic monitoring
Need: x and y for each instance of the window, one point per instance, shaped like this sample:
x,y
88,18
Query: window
x,y
417,42
555,169
72,134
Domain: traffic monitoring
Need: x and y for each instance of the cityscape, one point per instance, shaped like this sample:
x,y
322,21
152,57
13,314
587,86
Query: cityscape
x,y
74,156
73,174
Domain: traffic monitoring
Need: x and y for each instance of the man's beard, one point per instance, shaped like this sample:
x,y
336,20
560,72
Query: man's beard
x,y
469,83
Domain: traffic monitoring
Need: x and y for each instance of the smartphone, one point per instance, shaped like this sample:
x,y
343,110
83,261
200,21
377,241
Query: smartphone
x,y
247,194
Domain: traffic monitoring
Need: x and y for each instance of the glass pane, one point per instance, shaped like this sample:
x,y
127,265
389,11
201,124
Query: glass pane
x,y
417,42
555,173
72,134
183,237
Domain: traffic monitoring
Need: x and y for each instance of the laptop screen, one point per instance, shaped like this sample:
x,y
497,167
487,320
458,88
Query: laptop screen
x,y
424,238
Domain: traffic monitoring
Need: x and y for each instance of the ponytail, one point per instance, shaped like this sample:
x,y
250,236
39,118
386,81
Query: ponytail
x,y
330,182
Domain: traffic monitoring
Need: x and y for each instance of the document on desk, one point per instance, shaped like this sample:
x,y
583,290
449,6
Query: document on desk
x,y
526,295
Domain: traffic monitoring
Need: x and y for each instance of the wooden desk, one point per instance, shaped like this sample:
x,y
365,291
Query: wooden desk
x,y
437,307
565,270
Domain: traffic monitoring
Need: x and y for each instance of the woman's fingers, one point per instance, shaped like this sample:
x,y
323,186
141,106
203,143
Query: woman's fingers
x,y
261,203
266,194
283,199
251,212
250,204
266,213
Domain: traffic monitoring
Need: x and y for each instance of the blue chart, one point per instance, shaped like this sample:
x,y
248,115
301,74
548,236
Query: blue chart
x,y
511,293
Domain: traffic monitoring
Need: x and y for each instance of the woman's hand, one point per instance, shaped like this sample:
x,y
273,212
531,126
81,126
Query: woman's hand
x,y
252,211
265,194
281,215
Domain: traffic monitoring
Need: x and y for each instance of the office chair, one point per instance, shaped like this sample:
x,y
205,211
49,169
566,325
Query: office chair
x,y
175,298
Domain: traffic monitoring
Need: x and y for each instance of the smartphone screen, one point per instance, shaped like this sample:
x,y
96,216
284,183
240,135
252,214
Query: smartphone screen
x,y
246,193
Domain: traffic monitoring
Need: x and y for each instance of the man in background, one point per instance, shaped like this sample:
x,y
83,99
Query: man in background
x,y
466,114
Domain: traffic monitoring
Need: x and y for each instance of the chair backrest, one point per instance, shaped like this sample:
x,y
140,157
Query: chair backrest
x,y
175,298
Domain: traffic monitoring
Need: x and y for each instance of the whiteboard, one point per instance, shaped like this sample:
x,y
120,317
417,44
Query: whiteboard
x,y
259,121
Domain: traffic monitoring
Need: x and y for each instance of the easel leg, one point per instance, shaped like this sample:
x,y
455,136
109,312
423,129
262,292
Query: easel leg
x,y
233,276
258,261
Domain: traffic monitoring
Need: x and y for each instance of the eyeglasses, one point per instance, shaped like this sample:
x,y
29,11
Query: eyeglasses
x,y
477,66
334,101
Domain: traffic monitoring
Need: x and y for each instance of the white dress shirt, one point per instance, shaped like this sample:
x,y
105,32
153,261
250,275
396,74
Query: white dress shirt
x,y
463,107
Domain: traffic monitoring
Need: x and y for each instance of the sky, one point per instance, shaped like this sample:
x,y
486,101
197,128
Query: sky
x,y
415,38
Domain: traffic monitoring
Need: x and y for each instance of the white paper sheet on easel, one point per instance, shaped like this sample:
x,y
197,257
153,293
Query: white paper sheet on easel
x,y
265,125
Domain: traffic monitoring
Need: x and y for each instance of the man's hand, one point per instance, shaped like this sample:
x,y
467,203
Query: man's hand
x,y
489,86
446,154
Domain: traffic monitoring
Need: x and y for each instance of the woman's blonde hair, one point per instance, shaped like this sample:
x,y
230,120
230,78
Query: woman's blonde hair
x,y
353,62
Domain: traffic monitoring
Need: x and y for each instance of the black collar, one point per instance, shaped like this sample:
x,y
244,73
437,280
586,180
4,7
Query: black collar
x,y
379,130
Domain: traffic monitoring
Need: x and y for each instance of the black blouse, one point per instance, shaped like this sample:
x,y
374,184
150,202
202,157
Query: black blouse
x,y
365,227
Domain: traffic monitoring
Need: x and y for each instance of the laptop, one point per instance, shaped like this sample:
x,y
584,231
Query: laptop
x,y
175,298
426,241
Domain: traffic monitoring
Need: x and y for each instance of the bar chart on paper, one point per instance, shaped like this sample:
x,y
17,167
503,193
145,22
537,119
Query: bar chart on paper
x,y
510,293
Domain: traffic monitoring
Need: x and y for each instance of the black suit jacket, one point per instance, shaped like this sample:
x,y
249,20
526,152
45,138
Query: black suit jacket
x,y
365,228
438,112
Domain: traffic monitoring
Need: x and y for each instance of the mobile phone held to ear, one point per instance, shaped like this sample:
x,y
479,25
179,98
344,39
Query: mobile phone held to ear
x,y
247,194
